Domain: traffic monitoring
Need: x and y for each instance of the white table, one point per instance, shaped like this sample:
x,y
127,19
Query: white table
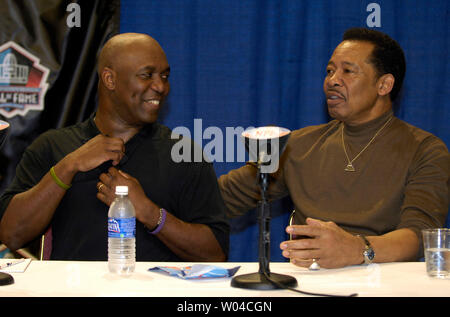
x,y
92,279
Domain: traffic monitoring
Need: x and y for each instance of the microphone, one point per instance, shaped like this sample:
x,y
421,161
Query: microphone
x,y
3,131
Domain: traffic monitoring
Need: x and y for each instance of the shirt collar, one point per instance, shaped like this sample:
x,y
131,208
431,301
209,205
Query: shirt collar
x,y
92,129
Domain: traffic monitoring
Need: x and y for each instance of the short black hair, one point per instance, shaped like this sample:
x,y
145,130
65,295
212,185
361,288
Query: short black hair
x,y
387,55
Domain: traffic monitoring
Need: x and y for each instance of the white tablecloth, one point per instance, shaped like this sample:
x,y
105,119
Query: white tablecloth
x,y
80,279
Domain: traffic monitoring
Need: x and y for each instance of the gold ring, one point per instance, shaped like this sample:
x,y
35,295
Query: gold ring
x,y
100,186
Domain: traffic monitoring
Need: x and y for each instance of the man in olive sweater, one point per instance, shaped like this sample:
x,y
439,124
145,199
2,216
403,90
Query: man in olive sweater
x,y
364,184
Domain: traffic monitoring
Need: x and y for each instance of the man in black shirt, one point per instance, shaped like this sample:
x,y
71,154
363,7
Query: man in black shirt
x,y
66,178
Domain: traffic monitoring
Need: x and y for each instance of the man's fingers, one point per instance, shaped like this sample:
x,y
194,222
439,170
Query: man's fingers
x,y
301,255
105,179
124,174
113,147
304,230
104,198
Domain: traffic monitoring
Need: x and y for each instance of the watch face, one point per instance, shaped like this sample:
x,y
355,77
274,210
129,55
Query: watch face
x,y
369,253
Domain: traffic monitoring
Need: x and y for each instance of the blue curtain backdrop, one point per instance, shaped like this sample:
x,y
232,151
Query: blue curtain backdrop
x,y
242,63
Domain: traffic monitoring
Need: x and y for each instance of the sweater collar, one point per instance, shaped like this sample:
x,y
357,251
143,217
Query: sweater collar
x,y
368,128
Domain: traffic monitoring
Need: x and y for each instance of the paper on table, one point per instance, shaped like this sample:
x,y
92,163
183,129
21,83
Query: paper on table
x,y
196,271
15,268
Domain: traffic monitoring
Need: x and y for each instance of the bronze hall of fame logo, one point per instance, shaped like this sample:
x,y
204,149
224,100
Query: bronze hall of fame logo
x,y
23,81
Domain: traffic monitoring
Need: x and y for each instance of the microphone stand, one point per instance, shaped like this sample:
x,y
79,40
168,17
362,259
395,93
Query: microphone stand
x,y
264,224
263,279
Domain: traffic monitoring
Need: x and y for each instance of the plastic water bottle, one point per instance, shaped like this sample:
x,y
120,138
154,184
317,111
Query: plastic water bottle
x,y
121,234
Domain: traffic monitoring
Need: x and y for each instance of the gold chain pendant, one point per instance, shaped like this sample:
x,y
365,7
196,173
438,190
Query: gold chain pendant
x,y
350,167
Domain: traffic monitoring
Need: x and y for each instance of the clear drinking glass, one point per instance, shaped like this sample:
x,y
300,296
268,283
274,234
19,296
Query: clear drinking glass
x,y
436,243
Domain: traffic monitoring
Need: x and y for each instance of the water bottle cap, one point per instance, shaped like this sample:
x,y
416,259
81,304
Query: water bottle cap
x,y
121,190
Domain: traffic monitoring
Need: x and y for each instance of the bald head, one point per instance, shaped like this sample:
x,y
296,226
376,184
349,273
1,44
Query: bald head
x,y
119,44
134,79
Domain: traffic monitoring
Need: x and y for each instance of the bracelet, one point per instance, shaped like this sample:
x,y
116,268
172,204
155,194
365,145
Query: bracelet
x,y
57,180
161,221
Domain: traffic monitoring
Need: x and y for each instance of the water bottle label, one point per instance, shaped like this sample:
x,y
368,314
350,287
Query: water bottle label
x,y
121,227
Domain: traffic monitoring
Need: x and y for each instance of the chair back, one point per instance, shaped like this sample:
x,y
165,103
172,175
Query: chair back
x,y
46,245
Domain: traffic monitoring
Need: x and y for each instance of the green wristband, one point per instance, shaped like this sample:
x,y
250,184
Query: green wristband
x,y
57,180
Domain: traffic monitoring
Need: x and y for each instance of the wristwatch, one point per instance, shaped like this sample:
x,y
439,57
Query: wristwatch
x,y
368,252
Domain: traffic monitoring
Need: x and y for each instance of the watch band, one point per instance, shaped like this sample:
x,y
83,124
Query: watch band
x,y
368,253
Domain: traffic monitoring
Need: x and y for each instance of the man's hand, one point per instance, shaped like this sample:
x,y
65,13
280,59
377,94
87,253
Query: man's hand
x,y
328,244
95,152
146,211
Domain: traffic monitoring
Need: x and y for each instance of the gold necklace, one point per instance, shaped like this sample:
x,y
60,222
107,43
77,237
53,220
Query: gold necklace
x,y
350,167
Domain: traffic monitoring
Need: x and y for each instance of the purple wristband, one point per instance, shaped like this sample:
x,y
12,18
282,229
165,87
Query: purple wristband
x,y
161,221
